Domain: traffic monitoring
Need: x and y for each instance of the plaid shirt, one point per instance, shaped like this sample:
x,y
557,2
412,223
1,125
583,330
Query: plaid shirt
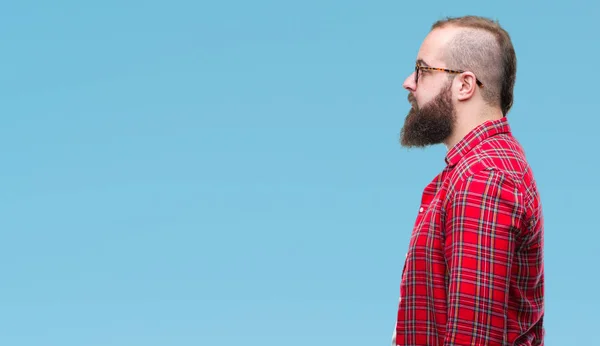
x,y
474,271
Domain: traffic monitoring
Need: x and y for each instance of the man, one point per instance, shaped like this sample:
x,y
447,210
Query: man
x,y
474,271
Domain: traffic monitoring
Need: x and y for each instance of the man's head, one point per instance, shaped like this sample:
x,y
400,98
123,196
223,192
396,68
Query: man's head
x,y
466,69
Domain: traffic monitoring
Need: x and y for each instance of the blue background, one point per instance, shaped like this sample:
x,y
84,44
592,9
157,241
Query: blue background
x,y
218,173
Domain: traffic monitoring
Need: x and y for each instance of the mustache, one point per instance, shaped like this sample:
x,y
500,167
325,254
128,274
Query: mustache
x,y
412,100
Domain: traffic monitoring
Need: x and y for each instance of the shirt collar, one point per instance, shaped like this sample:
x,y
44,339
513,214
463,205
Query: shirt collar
x,y
475,137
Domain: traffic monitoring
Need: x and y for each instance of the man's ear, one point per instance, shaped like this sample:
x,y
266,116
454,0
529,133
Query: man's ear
x,y
467,83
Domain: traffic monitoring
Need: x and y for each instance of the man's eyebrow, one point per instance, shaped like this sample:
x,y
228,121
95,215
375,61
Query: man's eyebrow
x,y
422,62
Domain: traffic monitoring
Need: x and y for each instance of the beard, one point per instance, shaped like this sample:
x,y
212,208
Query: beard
x,y
431,124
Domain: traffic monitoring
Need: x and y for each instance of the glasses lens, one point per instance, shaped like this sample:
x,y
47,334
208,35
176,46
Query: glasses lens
x,y
416,74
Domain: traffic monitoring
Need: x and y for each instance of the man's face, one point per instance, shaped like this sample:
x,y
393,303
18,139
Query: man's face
x,y
432,116
430,124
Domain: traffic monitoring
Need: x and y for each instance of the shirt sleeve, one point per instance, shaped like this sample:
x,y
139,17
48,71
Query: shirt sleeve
x,y
482,221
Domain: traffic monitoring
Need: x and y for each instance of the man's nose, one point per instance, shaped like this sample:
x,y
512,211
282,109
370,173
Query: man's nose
x,y
409,83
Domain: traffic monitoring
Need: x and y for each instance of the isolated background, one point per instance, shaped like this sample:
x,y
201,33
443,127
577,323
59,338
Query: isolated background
x,y
218,173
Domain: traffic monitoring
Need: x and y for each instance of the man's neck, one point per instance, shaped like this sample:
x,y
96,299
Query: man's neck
x,y
467,125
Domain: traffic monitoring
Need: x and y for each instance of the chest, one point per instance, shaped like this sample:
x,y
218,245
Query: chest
x,y
428,233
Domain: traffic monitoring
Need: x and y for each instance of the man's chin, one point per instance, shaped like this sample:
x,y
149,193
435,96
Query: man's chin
x,y
410,138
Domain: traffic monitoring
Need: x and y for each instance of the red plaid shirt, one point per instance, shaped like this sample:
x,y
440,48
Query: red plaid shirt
x,y
474,271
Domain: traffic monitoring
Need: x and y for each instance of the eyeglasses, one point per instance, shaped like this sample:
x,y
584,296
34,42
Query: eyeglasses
x,y
425,68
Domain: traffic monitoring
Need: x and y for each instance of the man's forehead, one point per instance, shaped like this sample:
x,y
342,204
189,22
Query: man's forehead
x,y
432,49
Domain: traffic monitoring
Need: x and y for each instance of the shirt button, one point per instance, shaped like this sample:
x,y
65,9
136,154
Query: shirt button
x,y
421,210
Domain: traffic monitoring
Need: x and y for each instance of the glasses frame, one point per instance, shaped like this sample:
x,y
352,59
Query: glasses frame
x,y
427,68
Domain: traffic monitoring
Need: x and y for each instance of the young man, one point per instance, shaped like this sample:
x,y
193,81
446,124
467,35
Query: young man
x,y
474,271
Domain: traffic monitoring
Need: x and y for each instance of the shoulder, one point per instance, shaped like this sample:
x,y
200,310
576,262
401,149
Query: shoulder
x,y
502,156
